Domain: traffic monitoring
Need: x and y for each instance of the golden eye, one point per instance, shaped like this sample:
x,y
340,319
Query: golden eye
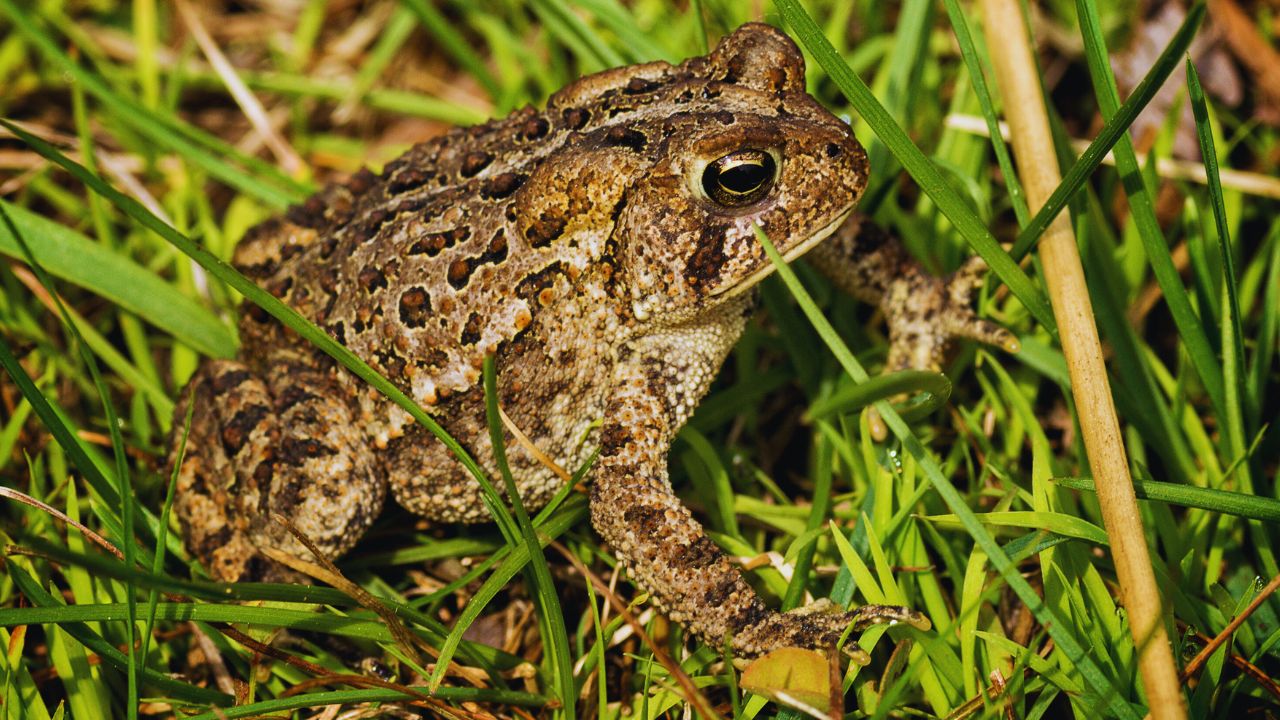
x,y
740,178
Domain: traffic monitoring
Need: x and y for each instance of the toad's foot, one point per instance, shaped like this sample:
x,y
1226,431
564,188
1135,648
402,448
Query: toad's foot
x,y
924,313
820,625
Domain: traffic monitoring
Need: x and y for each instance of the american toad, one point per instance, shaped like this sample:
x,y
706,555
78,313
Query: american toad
x,y
603,250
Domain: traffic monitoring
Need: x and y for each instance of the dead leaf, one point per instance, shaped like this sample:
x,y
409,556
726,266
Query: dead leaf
x,y
794,677
1220,77
1239,31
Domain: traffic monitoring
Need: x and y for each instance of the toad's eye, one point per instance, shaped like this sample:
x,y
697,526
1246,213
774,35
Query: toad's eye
x,y
740,178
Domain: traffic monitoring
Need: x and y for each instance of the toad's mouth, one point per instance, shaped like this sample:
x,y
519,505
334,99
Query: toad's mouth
x,y
788,257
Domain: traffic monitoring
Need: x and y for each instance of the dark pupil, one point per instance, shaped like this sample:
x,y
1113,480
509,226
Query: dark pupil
x,y
739,179
743,178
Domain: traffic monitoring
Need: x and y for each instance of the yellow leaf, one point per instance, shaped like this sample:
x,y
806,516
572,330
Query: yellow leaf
x,y
794,677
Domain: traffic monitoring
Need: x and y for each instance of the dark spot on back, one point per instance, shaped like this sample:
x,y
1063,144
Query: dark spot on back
x,y
226,381
461,270
260,271
376,217
459,274
236,432
871,237
409,178
534,128
262,474
280,288
576,118
777,79
415,306
432,244
434,358
291,250
619,136
372,279
474,162
497,250
391,365
502,185
291,396
295,451
536,282
360,183
471,331
638,85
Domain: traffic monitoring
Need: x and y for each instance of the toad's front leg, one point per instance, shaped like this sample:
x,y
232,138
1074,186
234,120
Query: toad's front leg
x,y
924,313
657,539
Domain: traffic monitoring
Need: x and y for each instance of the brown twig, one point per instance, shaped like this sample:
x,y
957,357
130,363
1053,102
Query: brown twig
x,y
532,449
325,570
1253,671
1015,67
89,534
1202,657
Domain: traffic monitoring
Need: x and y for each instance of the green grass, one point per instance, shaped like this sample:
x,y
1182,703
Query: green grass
x,y
971,514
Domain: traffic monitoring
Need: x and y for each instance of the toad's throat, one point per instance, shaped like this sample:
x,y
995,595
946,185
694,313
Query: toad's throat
x,y
788,257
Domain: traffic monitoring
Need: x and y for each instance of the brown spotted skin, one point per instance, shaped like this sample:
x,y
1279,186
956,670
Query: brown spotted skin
x,y
579,246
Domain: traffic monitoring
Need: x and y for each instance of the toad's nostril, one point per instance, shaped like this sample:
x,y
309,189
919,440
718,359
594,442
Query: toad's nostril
x,y
833,150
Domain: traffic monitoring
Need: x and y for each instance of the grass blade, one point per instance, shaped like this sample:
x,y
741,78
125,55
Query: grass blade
x,y
73,257
1202,354
52,420
1111,133
921,169
347,697
108,653
1254,507
555,635
978,79
1234,379
123,477
453,44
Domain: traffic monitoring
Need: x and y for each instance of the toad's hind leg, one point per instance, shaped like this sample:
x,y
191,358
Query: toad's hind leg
x,y
261,446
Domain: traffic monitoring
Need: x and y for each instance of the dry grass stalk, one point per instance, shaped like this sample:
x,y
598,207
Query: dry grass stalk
x,y
1015,68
